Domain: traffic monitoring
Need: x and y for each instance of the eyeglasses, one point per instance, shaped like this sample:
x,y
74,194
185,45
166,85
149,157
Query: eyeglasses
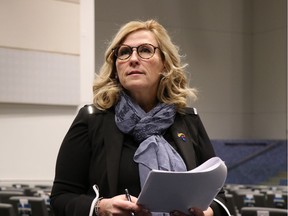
x,y
145,51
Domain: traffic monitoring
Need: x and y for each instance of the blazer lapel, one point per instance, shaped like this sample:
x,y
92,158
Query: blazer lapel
x,y
184,141
113,141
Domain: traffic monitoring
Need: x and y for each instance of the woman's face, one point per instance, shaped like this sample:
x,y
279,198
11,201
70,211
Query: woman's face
x,y
137,75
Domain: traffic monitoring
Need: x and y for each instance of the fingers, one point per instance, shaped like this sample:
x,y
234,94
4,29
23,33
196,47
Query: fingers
x,y
119,205
196,212
133,199
192,212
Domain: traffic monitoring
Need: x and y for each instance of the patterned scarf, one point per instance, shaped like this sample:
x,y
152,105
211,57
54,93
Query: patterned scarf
x,y
154,151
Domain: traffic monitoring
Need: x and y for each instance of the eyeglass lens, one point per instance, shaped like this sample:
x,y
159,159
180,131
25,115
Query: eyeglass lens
x,y
145,51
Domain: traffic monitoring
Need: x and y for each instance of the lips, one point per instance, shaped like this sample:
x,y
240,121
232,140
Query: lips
x,y
134,72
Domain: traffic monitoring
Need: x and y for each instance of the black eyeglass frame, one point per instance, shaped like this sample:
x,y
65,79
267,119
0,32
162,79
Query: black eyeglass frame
x,y
115,50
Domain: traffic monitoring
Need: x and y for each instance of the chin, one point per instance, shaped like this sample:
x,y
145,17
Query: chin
x,y
136,86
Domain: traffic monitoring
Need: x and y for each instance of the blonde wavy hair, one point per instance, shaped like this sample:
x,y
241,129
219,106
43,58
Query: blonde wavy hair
x,y
173,86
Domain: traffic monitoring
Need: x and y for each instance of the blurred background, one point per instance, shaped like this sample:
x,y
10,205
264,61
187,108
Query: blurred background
x,y
237,56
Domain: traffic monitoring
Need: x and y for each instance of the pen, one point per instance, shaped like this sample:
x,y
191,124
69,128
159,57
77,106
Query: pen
x,y
128,197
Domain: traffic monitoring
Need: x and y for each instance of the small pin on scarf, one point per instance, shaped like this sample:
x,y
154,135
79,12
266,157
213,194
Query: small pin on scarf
x,y
182,136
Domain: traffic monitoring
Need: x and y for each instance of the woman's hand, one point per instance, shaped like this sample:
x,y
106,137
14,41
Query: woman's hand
x,y
194,212
119,205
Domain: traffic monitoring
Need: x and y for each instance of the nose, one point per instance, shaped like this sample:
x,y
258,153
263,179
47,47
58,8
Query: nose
x,y
134,52
134,58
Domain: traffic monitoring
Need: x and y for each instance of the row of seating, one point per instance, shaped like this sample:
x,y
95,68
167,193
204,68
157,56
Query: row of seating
x,y
262,211
244,200
20,200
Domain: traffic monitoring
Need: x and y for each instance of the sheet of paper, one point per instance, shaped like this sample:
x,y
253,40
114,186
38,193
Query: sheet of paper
x,y
165,191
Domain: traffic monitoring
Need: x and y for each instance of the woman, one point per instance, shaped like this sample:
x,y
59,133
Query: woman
x,y
139,106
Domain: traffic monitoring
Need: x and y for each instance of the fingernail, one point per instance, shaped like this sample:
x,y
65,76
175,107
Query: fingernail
x,y
191,210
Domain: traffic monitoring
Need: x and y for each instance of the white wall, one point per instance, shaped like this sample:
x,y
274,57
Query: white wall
x,y
46,25
234,49
222,41
215,37
269,80
31,134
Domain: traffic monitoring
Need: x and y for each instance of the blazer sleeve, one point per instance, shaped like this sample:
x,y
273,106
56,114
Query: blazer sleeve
x,y
69,196
204,151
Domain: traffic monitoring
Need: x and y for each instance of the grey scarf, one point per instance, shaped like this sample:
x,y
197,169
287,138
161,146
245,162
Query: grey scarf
x,y
154,151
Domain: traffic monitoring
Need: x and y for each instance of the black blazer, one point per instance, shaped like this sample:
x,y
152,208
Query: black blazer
x,y
90,154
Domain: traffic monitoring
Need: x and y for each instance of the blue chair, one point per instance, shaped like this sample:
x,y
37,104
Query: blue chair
x,y
249,199
34,206
276,200
6,194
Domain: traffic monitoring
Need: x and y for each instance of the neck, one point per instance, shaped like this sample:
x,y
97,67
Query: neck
x,y
145,101
147,107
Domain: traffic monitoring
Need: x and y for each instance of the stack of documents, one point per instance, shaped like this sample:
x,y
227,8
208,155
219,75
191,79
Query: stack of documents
x,y
165,191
